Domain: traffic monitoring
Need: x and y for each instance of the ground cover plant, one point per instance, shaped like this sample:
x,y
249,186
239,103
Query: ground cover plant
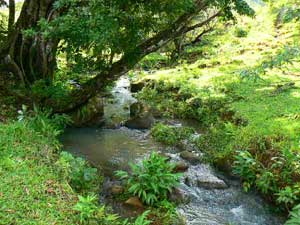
x,y
246,96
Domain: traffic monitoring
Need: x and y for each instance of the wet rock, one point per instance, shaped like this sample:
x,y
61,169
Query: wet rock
x,y
137,86
135,202
190,157
90,114
141,117
201,216
116,190
203,176
211,182
178,196
179,220
181,167
186,145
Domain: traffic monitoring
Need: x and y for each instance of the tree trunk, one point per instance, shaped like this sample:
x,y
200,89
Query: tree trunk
x,y
30,58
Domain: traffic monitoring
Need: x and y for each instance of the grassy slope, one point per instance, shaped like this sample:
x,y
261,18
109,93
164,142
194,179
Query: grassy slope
x,y
271,117
31,189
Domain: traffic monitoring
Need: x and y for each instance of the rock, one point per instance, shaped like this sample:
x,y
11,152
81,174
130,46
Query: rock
x,y
90,114
135,202
211,182
141,117
136,109
190,157
178,196
137,86
181,167
116,190
186,145
202,175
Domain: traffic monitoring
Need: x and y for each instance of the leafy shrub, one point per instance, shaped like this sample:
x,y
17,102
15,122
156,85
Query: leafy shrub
x,y
240,32
294,216
246,166
141,220
43,121
152,180
81,176
170,135
89,212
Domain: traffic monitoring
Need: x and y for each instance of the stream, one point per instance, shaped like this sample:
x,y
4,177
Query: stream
x,y
112,149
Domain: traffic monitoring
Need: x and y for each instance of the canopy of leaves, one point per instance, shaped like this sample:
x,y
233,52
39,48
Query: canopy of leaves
x,y
97,32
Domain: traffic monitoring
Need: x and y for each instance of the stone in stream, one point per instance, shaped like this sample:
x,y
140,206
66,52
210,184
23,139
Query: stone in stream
x,y
137,86
178,196
116,190
190,157
140,117
135,202
181,167
90,114
202,176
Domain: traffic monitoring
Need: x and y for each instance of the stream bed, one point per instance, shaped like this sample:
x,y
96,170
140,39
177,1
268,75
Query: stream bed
x,y
113,149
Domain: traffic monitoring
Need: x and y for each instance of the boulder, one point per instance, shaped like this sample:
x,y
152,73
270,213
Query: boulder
x,y
116,190
135,202
203,176
190,157
90,114
181,167
140,117
137,86
178,196
211,182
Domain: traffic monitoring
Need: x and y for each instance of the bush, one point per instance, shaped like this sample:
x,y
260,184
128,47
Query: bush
x,y
80,175
152,180
170,135
294,216
90,212
240,32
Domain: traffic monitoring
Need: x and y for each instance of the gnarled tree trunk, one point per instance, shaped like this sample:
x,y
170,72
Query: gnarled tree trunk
x,y
29,58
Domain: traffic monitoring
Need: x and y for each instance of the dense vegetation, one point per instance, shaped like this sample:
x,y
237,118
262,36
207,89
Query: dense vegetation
x,y
244,95
230,66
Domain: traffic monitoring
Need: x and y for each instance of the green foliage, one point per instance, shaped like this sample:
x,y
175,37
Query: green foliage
x,y
170,135
288,195
294,216
284,56
42,90
90,212
42,121
240,32
152,180
246,167
95,34
141,220
31,186
80,175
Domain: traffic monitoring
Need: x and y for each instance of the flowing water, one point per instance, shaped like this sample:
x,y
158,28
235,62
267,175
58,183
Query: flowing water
x,y
113,149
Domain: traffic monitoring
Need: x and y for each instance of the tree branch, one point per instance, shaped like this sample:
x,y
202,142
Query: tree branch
x,y
12,14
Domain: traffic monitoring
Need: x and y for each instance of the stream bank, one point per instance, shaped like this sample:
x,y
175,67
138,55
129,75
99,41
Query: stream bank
x,y
208,197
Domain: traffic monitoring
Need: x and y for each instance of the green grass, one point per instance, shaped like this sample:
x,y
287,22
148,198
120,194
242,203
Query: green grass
x,y
254,114
31,190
